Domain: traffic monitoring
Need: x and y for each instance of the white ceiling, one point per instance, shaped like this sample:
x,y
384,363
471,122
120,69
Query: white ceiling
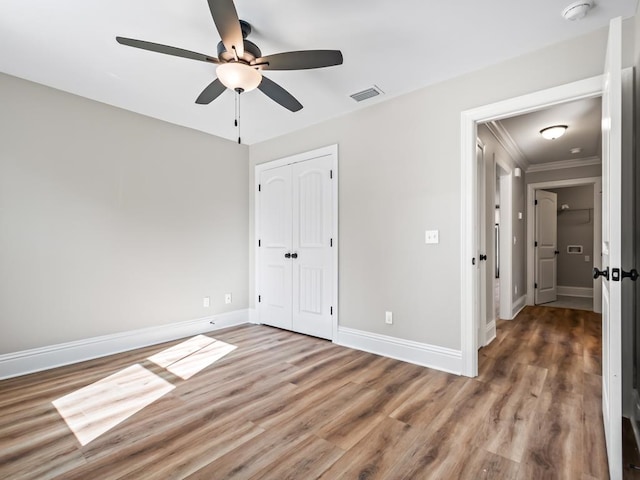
x,y
399,46
583,119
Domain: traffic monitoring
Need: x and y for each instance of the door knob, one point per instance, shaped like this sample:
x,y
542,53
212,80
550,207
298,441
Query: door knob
x,y
287,255
557,252
294,255
601,273
483,257
633,274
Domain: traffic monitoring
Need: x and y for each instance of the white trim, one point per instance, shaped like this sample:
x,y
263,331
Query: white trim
x,y
588,88
44,358
253,316
518,306
562,164
432,356
507,142
491,333
582,292
506,243
330,150
596,182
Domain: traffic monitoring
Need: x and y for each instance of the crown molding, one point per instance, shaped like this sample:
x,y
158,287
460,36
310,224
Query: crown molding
x,y
561,164
504,139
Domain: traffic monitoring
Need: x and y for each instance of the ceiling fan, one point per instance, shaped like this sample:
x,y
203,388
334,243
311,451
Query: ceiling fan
x,y
240,61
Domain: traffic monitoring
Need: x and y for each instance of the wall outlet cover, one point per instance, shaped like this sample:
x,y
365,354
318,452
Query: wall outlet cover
x,y
388,318
206,302
227,298
431,236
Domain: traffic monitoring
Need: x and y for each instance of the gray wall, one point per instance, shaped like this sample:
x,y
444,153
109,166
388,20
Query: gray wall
x,y
575,227
495,152
111,221
400,174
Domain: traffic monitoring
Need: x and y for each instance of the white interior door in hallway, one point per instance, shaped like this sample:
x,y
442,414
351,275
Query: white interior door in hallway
x,y
546,247
297,246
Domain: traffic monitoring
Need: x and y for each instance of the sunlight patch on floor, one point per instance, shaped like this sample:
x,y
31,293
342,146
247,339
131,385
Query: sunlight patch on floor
x,y
97,408
191,356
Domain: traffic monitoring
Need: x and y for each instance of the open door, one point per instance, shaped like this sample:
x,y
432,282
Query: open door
x,y
546,247
611,249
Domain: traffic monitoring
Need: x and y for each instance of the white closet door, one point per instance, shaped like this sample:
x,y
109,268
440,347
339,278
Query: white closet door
x,y
547,238
311,231
275,243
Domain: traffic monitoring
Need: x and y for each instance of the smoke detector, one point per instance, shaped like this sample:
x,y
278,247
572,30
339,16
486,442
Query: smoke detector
x,y
577,10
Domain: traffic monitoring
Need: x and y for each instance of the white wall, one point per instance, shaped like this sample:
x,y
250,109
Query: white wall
x,y
399,175
111,221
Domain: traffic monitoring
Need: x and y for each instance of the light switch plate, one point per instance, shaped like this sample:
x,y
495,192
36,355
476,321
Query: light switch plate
x,y
206,301
431,236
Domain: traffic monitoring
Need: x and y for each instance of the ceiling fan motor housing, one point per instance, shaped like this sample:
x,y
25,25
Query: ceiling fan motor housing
x,y
251,52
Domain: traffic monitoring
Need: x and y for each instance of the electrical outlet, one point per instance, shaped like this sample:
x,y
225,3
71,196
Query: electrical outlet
x,y
206,302
388,318
515,288
227,298
587,258
431,236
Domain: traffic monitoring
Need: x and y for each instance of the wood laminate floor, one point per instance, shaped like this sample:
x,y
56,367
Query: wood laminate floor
x,y
286,406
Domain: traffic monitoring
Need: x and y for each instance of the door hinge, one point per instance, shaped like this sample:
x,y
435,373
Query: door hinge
x,y
331,242
259,298
535,244
259,243
535,202
330,173
535,285
331,312
259,187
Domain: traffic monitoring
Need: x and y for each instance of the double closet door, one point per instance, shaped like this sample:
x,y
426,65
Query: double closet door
x,y
296,247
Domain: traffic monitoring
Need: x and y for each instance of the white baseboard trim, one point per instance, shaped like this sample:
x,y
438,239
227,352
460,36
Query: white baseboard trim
x,y
423,354
575,291
517,306
253,316
490,333
44,358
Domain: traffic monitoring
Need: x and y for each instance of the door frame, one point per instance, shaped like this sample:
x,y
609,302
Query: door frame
x,y
596,183
328,151
469,119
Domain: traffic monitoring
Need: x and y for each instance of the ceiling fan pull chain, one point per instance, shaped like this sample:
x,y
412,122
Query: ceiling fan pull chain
x,y
239,92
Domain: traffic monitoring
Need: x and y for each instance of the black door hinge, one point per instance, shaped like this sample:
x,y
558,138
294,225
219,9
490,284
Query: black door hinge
x,y
259,187
259,298
535,244
535,202
331,311
331,242
330,173
259,243
535,285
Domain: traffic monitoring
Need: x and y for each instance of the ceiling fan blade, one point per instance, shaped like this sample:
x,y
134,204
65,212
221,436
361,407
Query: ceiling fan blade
x,y
157,47
279,95
226,19
300,60
209,94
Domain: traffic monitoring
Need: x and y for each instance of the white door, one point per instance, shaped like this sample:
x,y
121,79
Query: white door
x,y
312,238
296,247
546,247
275,243
611,248
481,246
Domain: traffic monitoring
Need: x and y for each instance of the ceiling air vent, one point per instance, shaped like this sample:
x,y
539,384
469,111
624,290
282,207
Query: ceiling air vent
x,y
366,94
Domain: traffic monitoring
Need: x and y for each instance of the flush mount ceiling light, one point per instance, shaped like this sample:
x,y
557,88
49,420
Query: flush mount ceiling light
x,y
577,10
576,150
237,75
551,133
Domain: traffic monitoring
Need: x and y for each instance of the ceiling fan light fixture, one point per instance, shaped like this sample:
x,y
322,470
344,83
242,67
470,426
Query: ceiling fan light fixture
x,y
553,132
237,75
